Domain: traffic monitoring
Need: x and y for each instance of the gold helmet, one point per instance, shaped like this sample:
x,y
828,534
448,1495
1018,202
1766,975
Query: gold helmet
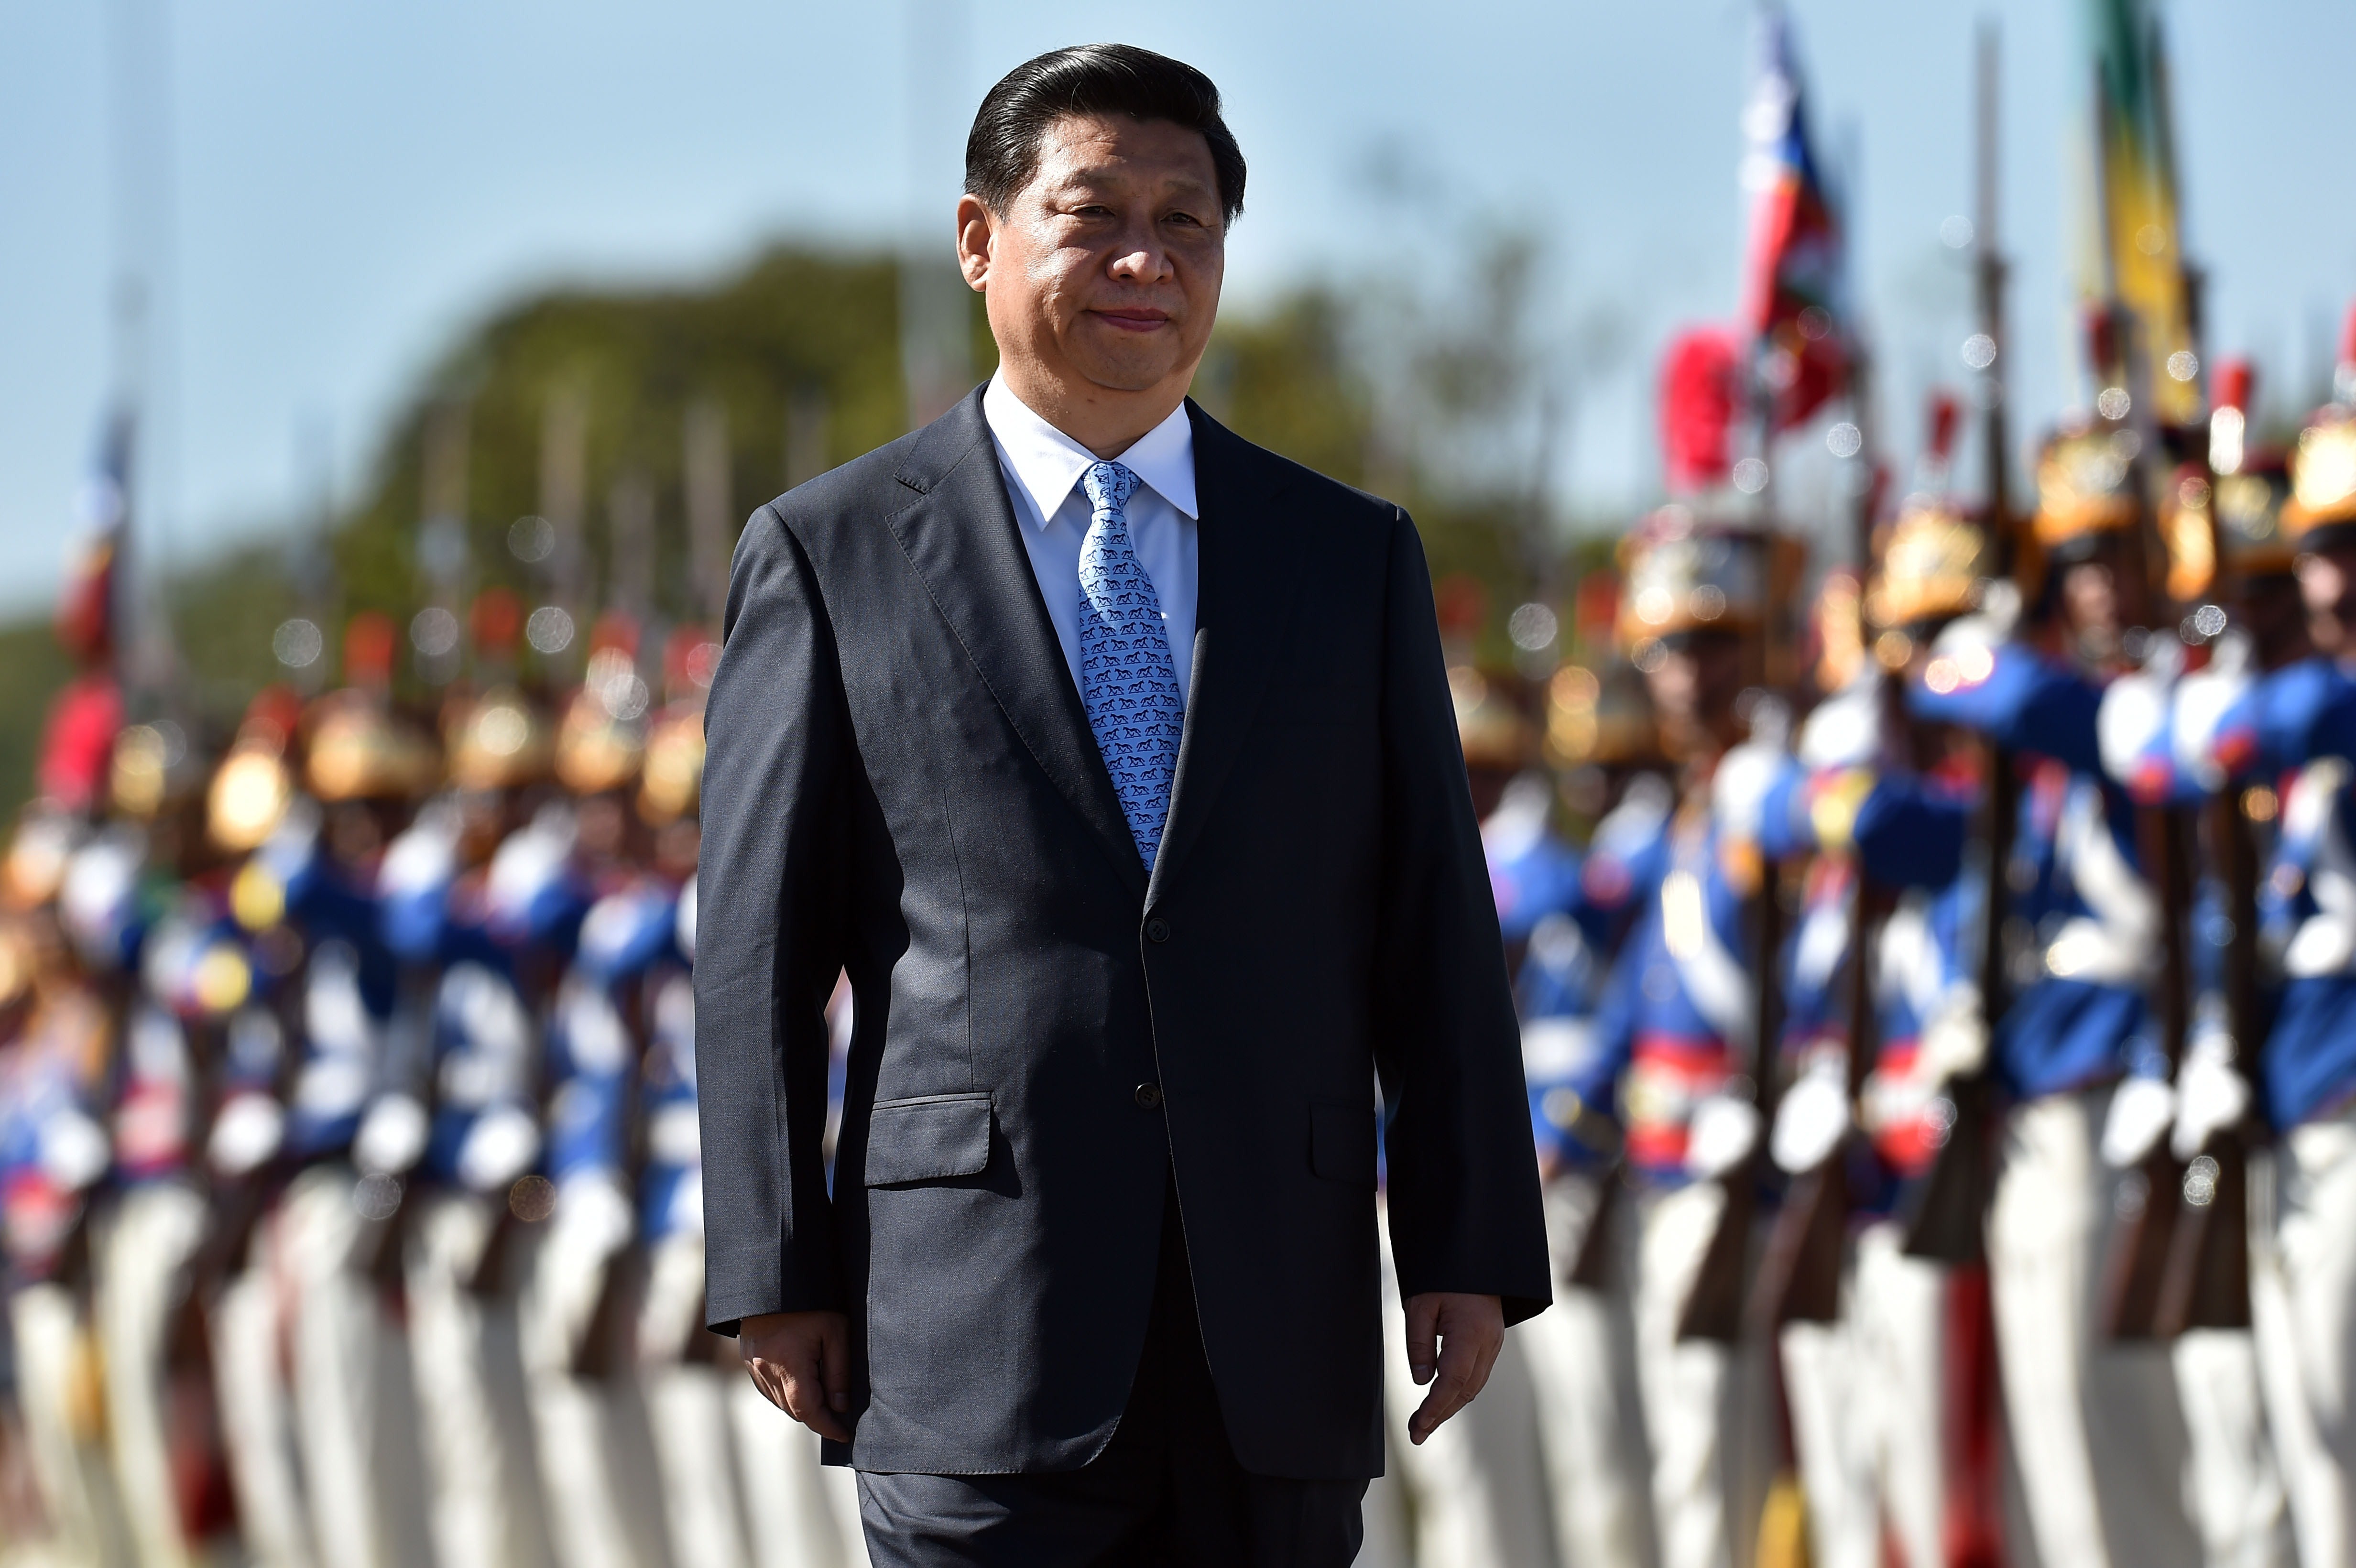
x,y
1493,731
1933,562
499,741
2323,477
35,868
2248,503
360,750
1685,575
601,741
253,787
154,767
673,783
1605,719
2085,483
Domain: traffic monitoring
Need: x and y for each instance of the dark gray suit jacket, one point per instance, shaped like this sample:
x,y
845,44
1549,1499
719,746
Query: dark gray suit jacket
x,y
900,782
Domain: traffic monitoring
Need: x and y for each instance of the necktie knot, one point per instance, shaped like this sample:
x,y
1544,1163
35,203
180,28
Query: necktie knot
x,y
1109,486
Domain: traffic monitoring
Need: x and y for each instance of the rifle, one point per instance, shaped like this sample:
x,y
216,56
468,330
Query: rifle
x,y
2206,1284
1946,1217
1800,1275
2139,1254
1714,1309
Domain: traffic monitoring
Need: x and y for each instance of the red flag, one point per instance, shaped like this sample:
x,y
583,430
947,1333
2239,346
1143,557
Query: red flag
x,y
1792,286
78,742
1700,384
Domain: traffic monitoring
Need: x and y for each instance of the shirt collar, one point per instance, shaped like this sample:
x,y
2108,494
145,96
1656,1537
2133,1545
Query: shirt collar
x,y
1047,464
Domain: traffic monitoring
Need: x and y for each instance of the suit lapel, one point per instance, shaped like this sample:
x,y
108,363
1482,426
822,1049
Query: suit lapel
x,y
960,536
1248,570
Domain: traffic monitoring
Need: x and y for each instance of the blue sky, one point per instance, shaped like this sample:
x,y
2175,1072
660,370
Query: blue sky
x,y
351,185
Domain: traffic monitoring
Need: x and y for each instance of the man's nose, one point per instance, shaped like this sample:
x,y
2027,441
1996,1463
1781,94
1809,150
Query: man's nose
x,y
1138,260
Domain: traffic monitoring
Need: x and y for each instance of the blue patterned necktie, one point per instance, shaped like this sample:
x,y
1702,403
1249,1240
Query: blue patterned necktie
x,y
1128,680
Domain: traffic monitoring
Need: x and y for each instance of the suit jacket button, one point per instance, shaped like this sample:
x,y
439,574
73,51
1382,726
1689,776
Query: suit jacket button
x,y
1157,929
1149,1096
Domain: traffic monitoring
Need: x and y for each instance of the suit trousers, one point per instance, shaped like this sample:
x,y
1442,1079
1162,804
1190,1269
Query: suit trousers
x,y
1167,1490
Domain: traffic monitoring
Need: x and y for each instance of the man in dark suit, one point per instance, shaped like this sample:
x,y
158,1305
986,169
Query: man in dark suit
x,y
1112,757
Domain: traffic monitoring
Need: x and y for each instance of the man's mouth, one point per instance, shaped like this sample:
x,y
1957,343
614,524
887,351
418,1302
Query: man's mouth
x,y
1135,318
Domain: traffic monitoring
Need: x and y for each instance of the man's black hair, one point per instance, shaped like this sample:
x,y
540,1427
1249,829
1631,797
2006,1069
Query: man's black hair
x,y
1002,153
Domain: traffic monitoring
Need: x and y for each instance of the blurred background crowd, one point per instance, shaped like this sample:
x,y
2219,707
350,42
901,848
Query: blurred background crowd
x,y
347,1176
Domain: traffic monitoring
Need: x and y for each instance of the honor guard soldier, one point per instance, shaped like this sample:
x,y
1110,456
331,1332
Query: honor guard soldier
x,y
1679,1019
2099,1439
603,1504
2288,744
54,1066
185,973
1577,908
309,893
251,798
1882,799
1478,1485
475,901
741,1485
2180,742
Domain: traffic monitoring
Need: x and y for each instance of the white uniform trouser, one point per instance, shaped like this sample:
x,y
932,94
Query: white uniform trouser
x,y
1582,1361
1477,1484
481,1481
1868,1399
687,1406
1388,1541
1704,1405
2095,1428
355,1407
57,1394
2232,1484
257,1414
803,1514
2303,1290
144,1247
595,1455
742,1485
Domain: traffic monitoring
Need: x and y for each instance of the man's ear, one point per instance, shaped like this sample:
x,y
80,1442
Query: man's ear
x,y
976,230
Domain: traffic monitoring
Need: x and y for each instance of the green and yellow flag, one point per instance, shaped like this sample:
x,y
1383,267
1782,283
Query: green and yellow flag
x,y
2138,264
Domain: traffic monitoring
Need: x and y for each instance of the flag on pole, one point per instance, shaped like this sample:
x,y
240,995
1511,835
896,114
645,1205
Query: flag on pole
x,y
78,737
2140,258
87,615
1792,281
1701,389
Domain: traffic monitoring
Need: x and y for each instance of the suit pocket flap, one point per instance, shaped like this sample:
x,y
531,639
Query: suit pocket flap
x,y
1341,1141
927,1138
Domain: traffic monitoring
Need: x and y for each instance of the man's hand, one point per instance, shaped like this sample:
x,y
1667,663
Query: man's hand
x,y
801,1363
1452,1340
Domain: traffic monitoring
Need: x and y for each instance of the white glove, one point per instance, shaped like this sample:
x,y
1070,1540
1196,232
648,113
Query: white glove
x,y
2141,1111
1844,731
392,1136
73,1150
1737,790
247,1130
1720,1135
1954,1042
1812,1118
2211,1095
500,1148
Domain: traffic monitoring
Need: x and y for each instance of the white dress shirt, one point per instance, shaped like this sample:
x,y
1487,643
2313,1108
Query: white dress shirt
x,y
1042,467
